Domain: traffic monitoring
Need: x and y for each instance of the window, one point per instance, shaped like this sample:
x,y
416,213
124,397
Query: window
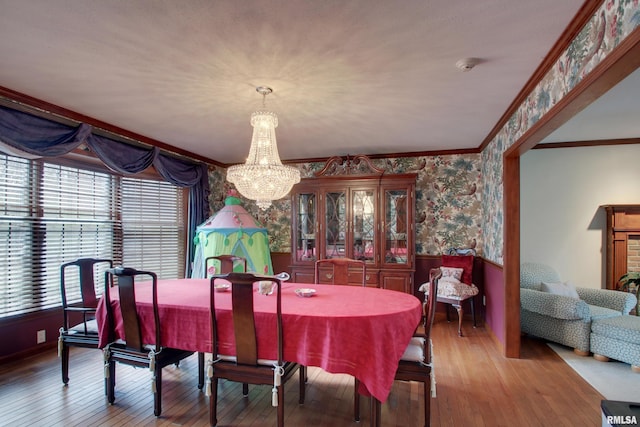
x,y
52,213
153,227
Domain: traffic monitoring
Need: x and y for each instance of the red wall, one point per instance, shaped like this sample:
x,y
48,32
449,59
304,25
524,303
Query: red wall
x,y
18,334
494,293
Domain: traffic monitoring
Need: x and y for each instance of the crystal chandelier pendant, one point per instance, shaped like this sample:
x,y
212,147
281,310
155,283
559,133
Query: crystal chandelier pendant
x,y
263,177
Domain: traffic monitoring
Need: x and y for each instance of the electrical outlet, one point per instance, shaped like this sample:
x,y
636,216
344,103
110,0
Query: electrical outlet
x,y
41,336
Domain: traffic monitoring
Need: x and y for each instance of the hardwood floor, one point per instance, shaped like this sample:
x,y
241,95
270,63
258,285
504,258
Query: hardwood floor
x,y
477,386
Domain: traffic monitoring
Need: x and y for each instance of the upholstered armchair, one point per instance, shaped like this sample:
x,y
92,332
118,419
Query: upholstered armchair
x,y
562,313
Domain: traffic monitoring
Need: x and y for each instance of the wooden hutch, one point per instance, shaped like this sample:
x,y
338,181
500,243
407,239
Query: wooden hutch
x,y
353,209
623,224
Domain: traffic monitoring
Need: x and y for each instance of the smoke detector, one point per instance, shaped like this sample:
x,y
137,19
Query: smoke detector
x,y
467,64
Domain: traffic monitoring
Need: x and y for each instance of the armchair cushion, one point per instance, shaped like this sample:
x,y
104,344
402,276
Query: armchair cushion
x,y
451,289
558,288
460,261
556,306
451,273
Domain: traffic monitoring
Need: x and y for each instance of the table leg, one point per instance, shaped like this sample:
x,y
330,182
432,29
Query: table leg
x,y
375,412
201,366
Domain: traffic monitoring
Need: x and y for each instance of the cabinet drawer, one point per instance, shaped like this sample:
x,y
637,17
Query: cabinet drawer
x,y
396,281
354,277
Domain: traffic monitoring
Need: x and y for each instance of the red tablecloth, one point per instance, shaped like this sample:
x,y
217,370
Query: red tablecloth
x,y
342,329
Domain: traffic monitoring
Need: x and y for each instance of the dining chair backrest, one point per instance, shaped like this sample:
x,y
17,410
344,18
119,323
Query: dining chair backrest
x,y
338,271
228,264
244,323
86,268
126,281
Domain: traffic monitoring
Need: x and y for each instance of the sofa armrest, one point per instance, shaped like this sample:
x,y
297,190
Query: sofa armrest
x,y
556,306
615,300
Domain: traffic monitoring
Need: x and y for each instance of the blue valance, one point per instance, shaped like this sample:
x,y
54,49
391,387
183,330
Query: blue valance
x,y
42,137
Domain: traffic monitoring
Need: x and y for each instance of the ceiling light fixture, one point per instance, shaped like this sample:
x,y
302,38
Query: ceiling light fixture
x,y
263,177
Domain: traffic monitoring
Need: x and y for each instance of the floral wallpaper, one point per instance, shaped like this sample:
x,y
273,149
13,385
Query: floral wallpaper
x,y
448,202
607,28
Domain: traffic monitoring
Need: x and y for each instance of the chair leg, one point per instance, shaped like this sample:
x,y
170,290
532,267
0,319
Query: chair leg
x,y
356,400
303,374
157,392
280,406
427,401
473,310
460,314
64,356
110,383
376,412
200,370
245,389
213,403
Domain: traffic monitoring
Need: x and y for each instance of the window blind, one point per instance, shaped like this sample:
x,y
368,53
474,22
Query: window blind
x,y
51,214
153,227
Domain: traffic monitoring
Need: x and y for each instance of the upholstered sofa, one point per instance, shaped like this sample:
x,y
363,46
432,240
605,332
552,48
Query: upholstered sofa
x,y
564,319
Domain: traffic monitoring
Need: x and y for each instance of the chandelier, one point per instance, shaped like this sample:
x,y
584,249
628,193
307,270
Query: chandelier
x,y
263,177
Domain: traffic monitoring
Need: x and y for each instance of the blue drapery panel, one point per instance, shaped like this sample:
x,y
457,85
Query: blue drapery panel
x,y
43,137
186,174
121,157
39,136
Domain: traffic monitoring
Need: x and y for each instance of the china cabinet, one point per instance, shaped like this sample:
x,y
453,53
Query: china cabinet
x,y
353,209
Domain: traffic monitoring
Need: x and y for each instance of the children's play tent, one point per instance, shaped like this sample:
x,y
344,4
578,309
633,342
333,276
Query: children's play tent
x,y
232,231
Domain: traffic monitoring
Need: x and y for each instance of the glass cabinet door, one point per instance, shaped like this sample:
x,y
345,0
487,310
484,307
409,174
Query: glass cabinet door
x,y
305,233
335,220
363,224
395,227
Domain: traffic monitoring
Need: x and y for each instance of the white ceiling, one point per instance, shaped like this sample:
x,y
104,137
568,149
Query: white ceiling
x,y
349,76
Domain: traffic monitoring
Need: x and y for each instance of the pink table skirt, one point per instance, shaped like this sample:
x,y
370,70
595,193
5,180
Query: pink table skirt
x,y
342,329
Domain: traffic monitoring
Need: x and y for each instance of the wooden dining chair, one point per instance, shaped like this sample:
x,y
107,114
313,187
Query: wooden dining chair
x,y
228,264
245,366
79,302
132,350
340,271
416,364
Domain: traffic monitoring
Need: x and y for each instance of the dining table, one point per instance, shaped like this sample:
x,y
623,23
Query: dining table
x,y
355,330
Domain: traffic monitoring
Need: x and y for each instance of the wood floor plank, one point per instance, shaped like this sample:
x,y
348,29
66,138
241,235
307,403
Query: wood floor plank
x,y
476,386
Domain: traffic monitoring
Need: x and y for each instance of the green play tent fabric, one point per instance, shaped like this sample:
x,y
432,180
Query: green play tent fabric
x,y
232,231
